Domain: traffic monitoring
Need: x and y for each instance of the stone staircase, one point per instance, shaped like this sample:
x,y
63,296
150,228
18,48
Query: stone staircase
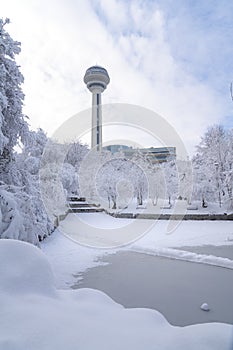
x,y
80,205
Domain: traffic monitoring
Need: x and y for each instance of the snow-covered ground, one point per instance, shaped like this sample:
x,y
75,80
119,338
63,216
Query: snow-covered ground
x,y
35,315
68,259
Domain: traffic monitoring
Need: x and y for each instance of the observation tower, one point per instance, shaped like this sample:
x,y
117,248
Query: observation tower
x,y
96,78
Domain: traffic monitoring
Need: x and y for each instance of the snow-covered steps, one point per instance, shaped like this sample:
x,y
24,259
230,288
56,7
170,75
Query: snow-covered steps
x,y
76,199
86,210
80,205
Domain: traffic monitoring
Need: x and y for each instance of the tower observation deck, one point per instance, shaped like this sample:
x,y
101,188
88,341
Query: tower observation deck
x,y
96,78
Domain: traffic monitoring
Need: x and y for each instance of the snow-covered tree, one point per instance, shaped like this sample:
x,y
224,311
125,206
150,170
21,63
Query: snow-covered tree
x,y
23,184
171,180
140,175
156,183
229,169
213,166
76,153
51,175
109,175
202,186
35,143
12,121
69,179
119,179
18,193
185,180
72,162
87,173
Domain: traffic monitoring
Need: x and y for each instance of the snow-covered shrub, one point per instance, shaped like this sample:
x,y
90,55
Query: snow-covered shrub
x,y
53,194
17,217
69,178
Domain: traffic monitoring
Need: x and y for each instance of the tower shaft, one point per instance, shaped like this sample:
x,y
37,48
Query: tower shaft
x,y
96,133
96,78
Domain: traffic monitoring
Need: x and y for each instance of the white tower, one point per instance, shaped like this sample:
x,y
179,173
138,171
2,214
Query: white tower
x,y
96,78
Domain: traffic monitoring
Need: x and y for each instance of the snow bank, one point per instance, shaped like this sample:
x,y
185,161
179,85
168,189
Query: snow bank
x,y
184,255
34,315
24,270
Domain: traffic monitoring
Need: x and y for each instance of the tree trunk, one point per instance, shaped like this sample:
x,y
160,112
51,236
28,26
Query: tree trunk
x,y
114,202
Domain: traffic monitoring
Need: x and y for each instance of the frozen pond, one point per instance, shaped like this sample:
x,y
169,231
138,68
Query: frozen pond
x,y
175,288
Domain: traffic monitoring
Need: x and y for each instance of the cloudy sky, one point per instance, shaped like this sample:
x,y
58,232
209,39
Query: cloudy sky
x,y
174,57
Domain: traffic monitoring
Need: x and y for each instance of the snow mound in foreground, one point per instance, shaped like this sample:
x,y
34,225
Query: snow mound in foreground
x,y
24,269
34,315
